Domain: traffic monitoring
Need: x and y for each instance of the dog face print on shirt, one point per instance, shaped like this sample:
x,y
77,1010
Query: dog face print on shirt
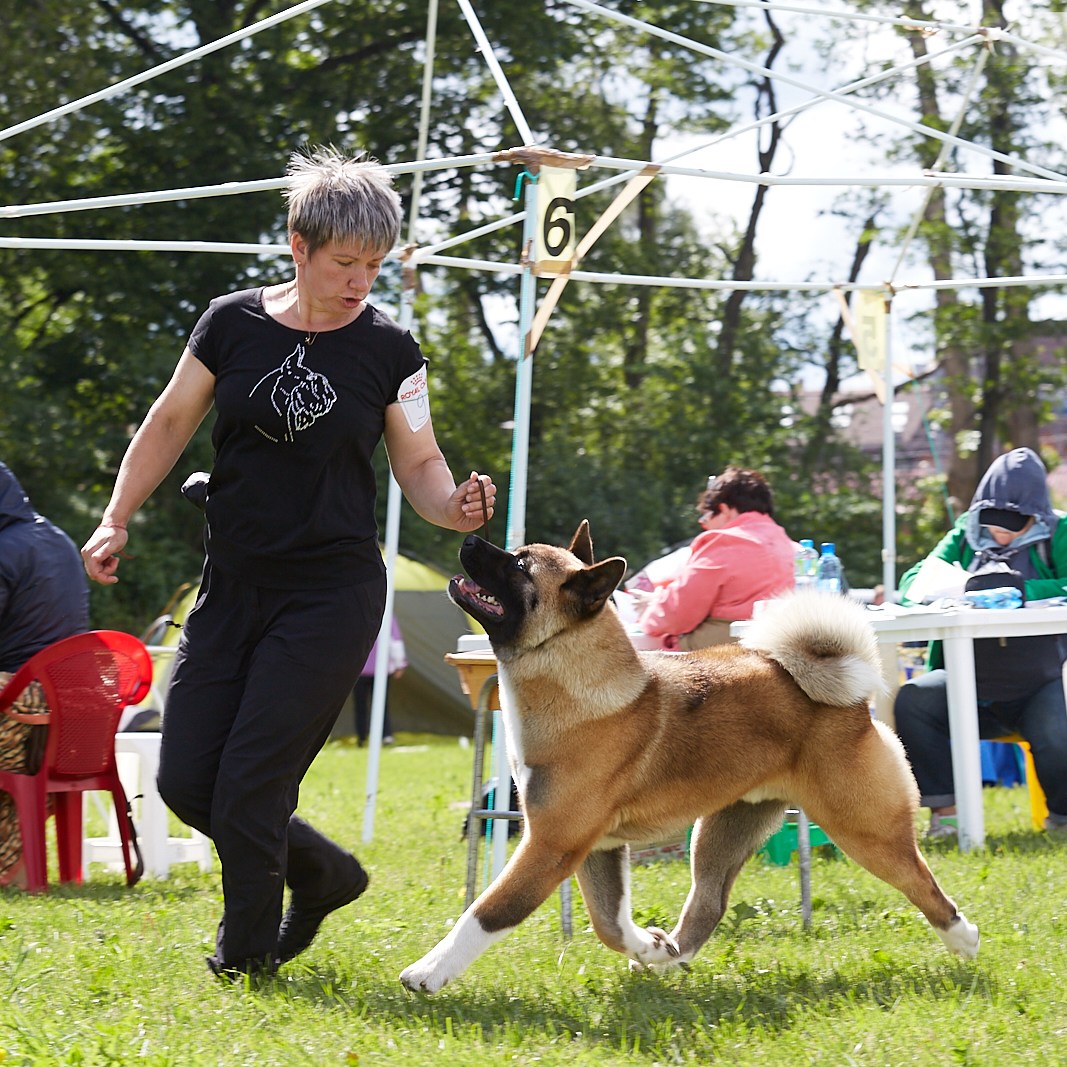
x,y
298,394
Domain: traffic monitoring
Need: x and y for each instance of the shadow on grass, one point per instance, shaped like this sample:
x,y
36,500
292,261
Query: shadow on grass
x,y
645,1007
1027,842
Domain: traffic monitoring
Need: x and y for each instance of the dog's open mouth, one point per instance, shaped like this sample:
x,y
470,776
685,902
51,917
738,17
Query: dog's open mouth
x,y
469,595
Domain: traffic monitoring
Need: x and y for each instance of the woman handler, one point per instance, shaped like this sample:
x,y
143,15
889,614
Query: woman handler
x,y
306,377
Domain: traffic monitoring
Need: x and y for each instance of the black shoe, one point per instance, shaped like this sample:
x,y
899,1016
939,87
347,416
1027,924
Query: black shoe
x,y
232,972
300,924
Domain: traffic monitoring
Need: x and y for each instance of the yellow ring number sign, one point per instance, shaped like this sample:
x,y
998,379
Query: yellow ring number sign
x,y
556,240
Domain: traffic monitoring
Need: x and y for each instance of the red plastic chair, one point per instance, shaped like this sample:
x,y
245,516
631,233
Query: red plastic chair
x,y
88,679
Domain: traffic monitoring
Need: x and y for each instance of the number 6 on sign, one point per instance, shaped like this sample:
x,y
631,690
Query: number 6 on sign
x,y
555,217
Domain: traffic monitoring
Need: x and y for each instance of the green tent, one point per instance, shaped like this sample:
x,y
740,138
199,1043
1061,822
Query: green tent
x,y
427,697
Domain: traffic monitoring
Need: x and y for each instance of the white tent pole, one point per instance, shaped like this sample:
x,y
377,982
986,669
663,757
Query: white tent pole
x,y
889,468
393,501
1054,184
199,192
490,60
516,525
520,441
381,660
889,441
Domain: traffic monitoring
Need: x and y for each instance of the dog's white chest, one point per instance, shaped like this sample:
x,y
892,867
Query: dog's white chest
x,y
513,735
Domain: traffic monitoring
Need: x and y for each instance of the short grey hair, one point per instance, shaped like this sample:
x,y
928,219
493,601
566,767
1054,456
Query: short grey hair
x,y
346,200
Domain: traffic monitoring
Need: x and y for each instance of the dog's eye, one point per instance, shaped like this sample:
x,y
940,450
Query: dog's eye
x,y
520,562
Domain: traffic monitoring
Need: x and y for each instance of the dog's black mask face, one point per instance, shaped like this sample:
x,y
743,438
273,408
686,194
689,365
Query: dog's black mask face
x,y
523,598
497,594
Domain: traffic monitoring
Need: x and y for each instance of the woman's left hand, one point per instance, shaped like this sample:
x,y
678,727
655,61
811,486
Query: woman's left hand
x,y
468,500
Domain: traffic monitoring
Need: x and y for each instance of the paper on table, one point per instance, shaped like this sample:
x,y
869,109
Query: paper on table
x,y
937,578
1047,602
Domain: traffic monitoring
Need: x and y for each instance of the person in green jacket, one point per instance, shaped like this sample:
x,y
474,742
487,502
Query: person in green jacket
x,y
1019,680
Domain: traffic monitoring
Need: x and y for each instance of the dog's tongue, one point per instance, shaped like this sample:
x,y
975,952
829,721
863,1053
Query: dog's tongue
x,y
476,592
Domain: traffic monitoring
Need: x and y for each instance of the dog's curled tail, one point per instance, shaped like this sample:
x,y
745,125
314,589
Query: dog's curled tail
x,y
824,641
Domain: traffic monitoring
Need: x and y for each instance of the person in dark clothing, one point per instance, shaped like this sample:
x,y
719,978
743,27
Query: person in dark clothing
x,y
1019,680
305,377
44,597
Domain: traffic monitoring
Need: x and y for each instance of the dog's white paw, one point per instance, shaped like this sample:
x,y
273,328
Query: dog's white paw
x,y
961,937
654,948
425,976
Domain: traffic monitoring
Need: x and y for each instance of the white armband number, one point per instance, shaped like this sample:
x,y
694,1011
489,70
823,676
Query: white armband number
x,y
414,398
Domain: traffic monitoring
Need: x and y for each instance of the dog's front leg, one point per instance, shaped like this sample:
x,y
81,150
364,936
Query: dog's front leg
x,y
522,886
451,956
604,879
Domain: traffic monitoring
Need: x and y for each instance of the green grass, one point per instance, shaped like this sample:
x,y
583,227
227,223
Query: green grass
x,y
100,974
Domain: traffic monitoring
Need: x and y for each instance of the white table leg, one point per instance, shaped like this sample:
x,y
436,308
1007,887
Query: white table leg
x,y
153,836
883,702
963,728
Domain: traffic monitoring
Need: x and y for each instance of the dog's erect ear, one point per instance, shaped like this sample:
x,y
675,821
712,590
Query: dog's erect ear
x,y
582,544
589,589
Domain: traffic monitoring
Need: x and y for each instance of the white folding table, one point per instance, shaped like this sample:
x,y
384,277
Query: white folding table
x,y
958,628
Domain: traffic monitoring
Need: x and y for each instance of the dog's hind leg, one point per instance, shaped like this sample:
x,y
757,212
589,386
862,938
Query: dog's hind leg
x,y
887,849
865,798
720,845
604,879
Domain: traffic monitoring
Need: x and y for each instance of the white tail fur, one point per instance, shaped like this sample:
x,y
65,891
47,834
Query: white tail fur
x,y
824,641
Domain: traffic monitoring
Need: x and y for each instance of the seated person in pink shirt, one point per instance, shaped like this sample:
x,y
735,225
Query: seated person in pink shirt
x,y
742,556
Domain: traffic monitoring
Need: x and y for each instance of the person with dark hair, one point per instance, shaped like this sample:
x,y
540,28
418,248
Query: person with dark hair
x,y
742,556
305,377
44,597
1010,524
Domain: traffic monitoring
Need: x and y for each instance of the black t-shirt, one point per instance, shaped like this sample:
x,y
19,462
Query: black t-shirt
x,y
291,497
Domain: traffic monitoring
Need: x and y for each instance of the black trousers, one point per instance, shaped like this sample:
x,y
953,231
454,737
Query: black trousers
x,y
259,680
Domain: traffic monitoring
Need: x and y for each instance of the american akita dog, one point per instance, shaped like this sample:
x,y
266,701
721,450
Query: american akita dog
x,y
612,747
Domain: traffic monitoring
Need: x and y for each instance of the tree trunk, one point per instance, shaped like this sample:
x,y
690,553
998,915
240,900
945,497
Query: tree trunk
x,y
744,260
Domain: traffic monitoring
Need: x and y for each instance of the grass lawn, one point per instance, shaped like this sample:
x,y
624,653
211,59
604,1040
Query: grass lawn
x,y
100,974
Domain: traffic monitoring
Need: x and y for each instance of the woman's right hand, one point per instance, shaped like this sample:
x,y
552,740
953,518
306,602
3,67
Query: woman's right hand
x,y
101,553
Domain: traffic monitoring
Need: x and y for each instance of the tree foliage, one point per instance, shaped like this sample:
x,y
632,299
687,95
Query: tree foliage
x,y
996,384
640,392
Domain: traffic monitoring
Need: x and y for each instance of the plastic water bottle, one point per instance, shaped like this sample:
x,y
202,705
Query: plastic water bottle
x,y
829,573
805,559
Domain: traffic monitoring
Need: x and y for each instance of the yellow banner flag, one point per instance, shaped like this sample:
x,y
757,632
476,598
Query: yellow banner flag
x,y
868,324
869,336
